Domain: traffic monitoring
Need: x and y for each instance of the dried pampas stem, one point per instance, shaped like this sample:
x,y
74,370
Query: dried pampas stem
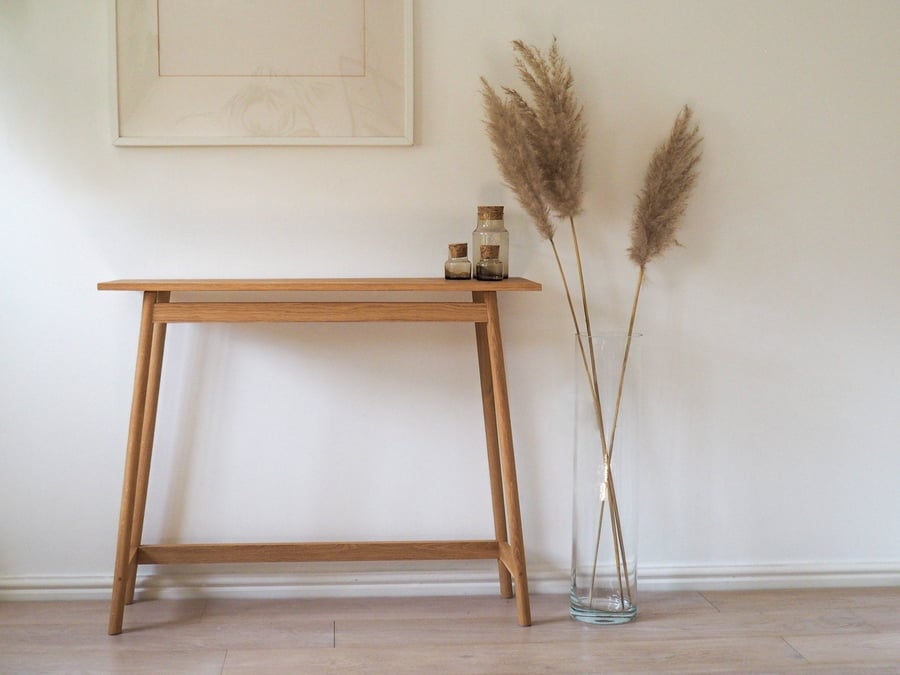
x,y
668,184
539,147
595,380
553,131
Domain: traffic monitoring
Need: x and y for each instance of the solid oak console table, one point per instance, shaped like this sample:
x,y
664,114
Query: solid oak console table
x,y
206,305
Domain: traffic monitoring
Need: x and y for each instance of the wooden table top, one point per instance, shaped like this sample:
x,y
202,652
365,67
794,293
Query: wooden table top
x,y
345,284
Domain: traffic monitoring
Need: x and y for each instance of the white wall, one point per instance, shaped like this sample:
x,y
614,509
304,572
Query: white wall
x,y
771,351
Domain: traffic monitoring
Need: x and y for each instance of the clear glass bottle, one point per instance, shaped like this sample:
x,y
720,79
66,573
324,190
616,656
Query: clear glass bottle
x,y
489,266
490,230
458,265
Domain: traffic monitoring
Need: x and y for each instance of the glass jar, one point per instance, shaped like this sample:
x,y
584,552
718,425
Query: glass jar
x,y
489,266
491,230
458,265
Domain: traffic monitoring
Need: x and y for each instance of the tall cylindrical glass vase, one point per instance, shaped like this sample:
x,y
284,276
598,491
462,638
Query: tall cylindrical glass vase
x,y
607,447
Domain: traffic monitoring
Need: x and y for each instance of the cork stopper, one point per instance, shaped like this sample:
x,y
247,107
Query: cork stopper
x,y
490,213
490,251
459,250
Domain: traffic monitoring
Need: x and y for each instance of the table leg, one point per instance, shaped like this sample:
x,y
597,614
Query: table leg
x,y
148,429
135,427
507,457
493,450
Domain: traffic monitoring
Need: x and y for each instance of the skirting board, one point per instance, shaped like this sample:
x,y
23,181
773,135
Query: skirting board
x,y
257,583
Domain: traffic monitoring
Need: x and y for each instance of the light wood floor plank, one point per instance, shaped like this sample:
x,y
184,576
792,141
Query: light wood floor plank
x,y
739,655
880,648
817,631
178,635
125,662
454,607
83,611
444,607
808,598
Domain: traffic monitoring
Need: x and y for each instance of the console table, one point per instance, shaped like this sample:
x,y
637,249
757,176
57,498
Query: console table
x,y
206,305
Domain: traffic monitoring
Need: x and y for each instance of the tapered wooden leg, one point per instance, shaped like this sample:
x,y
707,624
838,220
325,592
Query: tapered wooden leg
x,y
507,458
132,452
493,450
157,346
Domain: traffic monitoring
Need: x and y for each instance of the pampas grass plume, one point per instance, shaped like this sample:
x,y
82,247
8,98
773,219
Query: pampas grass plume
x,y
554,124
516,157
539,144
668,184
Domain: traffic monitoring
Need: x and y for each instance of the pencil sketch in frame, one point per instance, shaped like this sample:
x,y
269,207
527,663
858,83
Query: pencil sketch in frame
x,y
281,72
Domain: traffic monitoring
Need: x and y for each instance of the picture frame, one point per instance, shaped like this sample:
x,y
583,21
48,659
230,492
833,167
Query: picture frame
x,y
283,72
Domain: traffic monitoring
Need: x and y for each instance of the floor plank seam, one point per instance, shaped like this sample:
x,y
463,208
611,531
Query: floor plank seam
x,y
709,602
799,654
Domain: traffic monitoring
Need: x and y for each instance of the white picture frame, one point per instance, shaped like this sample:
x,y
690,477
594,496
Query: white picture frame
x,y
284,72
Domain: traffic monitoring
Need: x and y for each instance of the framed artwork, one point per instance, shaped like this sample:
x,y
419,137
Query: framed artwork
x,y
279,72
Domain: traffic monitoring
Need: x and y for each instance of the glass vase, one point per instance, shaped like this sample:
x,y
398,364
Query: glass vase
x,y
604,523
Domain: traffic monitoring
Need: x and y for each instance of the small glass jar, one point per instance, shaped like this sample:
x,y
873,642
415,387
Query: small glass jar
x,y
489,266
458,265
491,230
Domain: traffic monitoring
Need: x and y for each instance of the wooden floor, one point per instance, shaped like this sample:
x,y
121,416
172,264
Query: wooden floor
x,y
822,631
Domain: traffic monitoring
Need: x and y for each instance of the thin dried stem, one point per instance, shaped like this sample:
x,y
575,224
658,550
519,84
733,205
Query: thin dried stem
x,y
593,376
596,554
598,410
619,542
634,306
668,184
562,274
585,308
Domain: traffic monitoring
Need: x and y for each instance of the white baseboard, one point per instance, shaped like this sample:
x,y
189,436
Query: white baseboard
x,y
750,577
416,580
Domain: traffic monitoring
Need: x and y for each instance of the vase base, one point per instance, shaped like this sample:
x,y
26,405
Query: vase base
x,y
600,616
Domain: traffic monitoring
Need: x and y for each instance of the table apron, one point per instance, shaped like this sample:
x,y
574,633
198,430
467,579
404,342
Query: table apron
x,y
317,312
